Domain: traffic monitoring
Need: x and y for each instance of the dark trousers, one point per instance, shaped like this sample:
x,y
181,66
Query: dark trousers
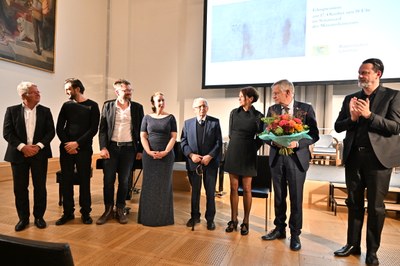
x,y
82,162
287,174
20,171
364,171
209,179
121,161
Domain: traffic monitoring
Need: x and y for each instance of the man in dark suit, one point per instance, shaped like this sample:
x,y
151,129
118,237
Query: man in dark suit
x,y
119,136
290,170
201,143
371,119
28,129
77,124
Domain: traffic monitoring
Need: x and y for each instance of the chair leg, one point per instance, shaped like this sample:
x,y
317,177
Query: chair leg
x,y
266,213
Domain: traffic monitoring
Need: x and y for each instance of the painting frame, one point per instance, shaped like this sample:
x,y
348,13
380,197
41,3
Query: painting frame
x,y
27,33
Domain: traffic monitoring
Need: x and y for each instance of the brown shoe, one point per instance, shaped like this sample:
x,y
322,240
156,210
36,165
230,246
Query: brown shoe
x,y
107,215
121,216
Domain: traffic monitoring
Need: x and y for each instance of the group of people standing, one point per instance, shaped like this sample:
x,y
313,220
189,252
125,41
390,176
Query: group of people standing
x,y
370,117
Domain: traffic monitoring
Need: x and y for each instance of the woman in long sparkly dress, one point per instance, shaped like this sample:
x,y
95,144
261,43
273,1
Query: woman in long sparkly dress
x,y
158,136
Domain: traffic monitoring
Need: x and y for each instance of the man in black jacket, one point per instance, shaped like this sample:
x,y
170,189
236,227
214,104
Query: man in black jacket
x,y
28,129
371,119
119,136
77,124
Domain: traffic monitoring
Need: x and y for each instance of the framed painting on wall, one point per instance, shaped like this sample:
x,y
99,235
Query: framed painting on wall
x,y
27,32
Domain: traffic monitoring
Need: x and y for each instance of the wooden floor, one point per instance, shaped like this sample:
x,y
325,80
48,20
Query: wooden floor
x,y
134,244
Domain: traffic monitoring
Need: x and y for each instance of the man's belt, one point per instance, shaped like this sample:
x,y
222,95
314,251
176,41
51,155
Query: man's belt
x,y
121,144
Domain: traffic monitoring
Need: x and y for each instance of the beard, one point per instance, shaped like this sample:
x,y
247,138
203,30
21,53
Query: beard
x,y
363,84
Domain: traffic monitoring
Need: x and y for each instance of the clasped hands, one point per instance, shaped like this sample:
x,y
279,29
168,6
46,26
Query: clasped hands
x,y
30,150
359,108
200,159
71,147
157,154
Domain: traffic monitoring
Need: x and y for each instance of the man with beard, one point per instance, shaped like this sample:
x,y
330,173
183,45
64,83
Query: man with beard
x,y
371,119
77,124
119,136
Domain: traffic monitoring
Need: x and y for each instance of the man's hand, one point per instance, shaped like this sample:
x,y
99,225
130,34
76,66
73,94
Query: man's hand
x,y
196,158
354,112
71,147
362,107
206,160
104,154
30,150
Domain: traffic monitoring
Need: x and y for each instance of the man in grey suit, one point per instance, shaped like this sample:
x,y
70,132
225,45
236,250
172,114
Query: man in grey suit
x,y
28,129
201,143
371,119
290,170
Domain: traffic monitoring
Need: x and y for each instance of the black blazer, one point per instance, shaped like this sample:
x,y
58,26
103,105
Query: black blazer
x,y
107,122
383,129
211,142
306,113
14,132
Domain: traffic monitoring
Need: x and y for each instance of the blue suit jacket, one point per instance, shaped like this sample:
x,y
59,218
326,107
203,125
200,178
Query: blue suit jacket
x,y
306,113
211,143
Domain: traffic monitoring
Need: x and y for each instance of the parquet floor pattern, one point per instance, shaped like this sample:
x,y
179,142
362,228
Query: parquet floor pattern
x,y
134,244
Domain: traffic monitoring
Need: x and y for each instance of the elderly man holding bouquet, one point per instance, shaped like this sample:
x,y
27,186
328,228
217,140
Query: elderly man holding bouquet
x,y
291,129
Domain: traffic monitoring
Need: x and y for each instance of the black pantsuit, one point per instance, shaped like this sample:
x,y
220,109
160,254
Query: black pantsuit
x,y
364,171
20,171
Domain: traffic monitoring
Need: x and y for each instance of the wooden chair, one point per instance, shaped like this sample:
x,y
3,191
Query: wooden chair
x,y
326,149
260,184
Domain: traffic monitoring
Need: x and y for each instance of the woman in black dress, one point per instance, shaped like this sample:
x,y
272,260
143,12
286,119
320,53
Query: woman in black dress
x,y
158,134
241,157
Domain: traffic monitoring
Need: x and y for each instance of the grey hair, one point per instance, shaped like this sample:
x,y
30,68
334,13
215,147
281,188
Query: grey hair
x,y
284,85
199,99
24,86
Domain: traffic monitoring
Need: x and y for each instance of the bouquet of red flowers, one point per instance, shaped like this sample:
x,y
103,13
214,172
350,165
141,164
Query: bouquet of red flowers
x,y
283,129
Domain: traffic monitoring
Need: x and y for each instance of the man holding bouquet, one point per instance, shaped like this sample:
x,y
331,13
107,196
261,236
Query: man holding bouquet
x,y
288,170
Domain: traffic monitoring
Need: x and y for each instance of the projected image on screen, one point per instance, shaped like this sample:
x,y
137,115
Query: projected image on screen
x,y
236,36
257,42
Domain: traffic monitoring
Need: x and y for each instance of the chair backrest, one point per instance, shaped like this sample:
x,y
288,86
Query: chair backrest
x,y
324,141
179,157
260,184
20,251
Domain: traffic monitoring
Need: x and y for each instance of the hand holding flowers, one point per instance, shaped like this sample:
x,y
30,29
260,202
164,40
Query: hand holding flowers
x,y
283,129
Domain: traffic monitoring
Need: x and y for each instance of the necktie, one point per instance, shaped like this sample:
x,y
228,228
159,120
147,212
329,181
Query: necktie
x,y
285,109
201,122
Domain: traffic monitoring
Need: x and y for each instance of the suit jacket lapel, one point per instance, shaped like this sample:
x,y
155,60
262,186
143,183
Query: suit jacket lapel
x,y
22,125
377,99
193,132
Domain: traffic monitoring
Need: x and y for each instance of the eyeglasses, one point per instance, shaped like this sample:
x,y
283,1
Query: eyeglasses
x,y
199,169
201,106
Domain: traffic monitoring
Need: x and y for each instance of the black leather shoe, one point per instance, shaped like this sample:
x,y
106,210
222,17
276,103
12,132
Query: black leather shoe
x,y
295,243
192,222
274,234
347,250
86,219
21,225
65,218
40,223
371,259
210,226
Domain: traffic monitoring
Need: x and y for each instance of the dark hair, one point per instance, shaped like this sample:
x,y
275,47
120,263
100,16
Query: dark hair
x,y
121,81
250,92
377,64
152,100
75,83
